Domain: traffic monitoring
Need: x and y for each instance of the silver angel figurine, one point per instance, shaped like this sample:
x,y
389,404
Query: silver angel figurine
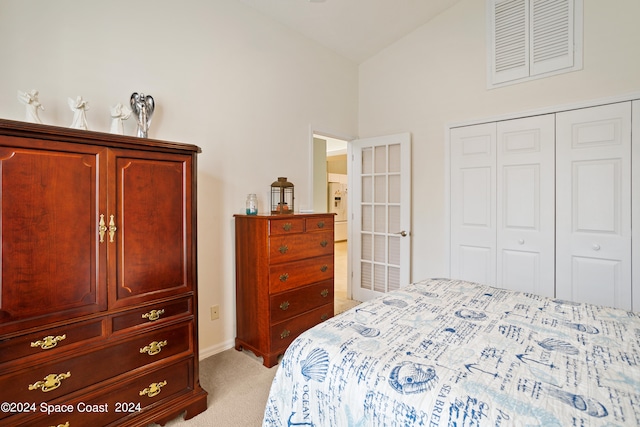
x,y
79,107
30,99
143,107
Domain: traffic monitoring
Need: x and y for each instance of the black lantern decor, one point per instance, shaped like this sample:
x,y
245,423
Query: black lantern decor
x,y
282,196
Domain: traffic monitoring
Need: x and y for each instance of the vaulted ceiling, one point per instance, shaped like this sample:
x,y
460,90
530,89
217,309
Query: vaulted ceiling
x,y
356,29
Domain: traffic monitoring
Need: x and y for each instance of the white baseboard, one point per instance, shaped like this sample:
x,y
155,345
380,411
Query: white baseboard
x,y
215,349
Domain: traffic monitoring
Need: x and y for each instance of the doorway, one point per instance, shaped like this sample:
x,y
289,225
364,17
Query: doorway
x,y
330,194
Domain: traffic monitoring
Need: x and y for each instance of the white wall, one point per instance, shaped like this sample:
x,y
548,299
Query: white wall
x,y
242,87
437,76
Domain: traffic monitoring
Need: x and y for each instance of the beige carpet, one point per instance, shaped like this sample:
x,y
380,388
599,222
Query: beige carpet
x,y
238,387
238,383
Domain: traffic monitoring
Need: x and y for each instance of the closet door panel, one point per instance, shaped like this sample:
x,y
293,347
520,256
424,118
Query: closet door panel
x,y
594,205
525,204
473,182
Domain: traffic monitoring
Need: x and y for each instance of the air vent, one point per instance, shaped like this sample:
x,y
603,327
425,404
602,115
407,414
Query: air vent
x,y
532,38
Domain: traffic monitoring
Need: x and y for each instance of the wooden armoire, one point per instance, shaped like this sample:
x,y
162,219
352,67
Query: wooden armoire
x,y
98,304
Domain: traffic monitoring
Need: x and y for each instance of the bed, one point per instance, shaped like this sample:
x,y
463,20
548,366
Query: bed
x,y
453,353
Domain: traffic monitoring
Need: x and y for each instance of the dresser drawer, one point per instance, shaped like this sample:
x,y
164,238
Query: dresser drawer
x,y
75,373
286,225
291,275
50,341
118,401
284,332
299,246
156,313
288,304
317,224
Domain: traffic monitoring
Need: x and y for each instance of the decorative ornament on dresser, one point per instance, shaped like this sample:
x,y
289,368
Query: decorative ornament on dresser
x,y
79,107
143,106
30,99
119,113
282,198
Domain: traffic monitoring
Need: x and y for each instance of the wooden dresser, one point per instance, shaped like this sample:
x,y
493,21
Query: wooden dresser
x,y
98,308
284,279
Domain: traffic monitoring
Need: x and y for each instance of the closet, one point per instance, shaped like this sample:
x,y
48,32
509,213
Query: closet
x,y
543,204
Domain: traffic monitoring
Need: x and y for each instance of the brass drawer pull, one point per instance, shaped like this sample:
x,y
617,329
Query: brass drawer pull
x,y
283,249
287,226
324,243
324,268
154,389
320,224
62,425
153,314
48,342
284,277
285,334
154,348
324,317
50,382
284,305
324,293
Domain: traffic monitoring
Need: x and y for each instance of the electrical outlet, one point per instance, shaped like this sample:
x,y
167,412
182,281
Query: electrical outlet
x,y
215,312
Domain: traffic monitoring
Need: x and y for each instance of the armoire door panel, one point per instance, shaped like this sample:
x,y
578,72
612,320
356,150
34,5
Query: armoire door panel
x,y
593,247
49,229
153,219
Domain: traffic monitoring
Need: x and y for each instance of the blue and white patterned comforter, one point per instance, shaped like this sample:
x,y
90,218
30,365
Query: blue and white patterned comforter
x,y
454,353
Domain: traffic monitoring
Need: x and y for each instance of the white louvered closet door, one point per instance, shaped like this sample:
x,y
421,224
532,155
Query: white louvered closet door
x,y
380,203
593,219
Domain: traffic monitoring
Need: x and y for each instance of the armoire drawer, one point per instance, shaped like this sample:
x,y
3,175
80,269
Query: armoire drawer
x,y
54,379
284,332
50,341
291,275
288,304
288,225
118,401
299,246
152,314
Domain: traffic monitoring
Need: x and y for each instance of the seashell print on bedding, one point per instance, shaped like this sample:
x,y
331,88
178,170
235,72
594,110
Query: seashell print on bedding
x,y
410,377
554,344
315,366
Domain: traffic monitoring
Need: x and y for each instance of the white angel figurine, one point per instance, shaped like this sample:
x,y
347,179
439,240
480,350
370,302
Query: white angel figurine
x,y
30,99
79,107
119,113
143,107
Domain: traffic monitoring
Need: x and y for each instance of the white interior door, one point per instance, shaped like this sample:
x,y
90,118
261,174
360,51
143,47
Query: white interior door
x,y
525,211
593,247
380,206
473,203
